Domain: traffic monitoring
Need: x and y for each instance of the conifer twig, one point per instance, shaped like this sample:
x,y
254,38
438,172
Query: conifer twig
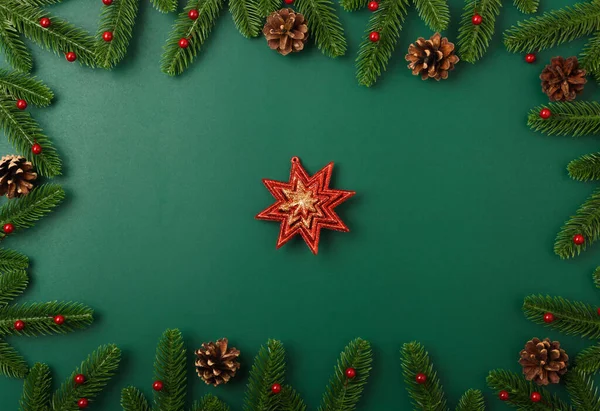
x,y
588,360
133,400
119,20
12,364
473,40
12,261
22,86
16,52
583,393
527,6
209,403
25,211
268,369
325,26
37,389
586,222
246,16
39,318
430,395
435,13
585,168
165,6
575,118
472,400
170,368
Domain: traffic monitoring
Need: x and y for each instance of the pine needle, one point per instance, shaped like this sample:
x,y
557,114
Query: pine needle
x,y
590,56
585,168
15,51
133,400
25,211
12,284
353,5
527,6
430,395
246,16
210,403
12,261
165,6
267,7
435,13
28,88
586,221
596,277
588,360
38,318
472,400
584,395
118,19
324,26
577,118
268,369
37,389
12,364
170,368
473,40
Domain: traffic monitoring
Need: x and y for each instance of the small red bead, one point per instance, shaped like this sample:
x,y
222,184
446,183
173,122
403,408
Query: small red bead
x,y
476,19
107,2
8,228
36,149
158,385
45,22
21,104
288,1
82,403
350,372
503,395
548,318
535,396
545,113
373,5
193,14
71,57
276,388
374,36
598,311
578,239
107,36
59,319
530,58
19,325
79,379
184,43
420,378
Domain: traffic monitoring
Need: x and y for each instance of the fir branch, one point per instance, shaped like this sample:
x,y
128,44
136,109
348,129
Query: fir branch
x,y
473,40
584,395
353,5
520,390
39,318
586,221
570,317
23,132
585,168
165,6
472,400
176,59
98,368
169,367
435,13
596,277
12,364
12,261
342,393
575,118
15,51
588,360
246,16
590,56
268,369
25,211
553,28
325,26
209,403
39,3
373,57
12,284
527,6
267,7
118,19
430,395
61,37
23,86
133,400
37,389
291,400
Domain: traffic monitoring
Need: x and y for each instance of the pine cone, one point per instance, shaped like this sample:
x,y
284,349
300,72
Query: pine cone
x,y
543,361
216,363
562,79
286,31
432,58
16,175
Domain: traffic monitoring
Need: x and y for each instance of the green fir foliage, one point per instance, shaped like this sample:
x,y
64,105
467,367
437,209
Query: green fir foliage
x,y
22,86
12,364
12,284
435,13
246,16
430,395
527,6
268,369
170,368
472,400
586,221
343,394
23,212
352,5
133,400
165,6
596,277
290,400
585,168
590,56
266,7
581,388
588,360
38,318
473,40
210,403
37,389
325,26
576,118
15,51
12,261
118,19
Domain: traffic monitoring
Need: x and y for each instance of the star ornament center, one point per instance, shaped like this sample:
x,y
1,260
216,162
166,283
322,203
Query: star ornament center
x,y
304,205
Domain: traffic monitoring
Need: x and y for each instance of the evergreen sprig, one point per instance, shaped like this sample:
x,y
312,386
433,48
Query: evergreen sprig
x,y
12,284
39,318
581,388
12,261
119,19
165,6
343,394
133,400
170,368
590,56
325,26
585,168
586,221
22,86
435,13
247,16
430,395
12,364
37,389
210,403
596,277
576,118
267,7
352,5
473,40
527,6
472,400
588,360
268,369
16,52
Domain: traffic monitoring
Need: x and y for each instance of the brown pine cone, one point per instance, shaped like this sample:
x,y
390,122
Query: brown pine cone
x,y
216,363
286,31
562,79
432,58
543,361
16,176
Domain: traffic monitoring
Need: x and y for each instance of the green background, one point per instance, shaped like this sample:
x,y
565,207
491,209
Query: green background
x,y
457,206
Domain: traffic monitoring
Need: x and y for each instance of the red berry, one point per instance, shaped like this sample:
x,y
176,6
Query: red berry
x,y
288,1
276,388
19,325
476,19
107,36
21,104
578,239
71,57
45,22
548,318
36,149
193,14
8,228
79,379
373,5
420,378
59,319
545,113
350,372
535,396
530,58
107,2
82,403
503,395
184,43
598,311
157,385
374,36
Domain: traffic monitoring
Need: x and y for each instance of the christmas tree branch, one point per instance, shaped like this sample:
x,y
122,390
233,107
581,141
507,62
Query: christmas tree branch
x,y
590,56
12,284
473,40
435,13
23,86
352,5
246,16
39,318
585,168
37,389
576,118
267,7
210,403
119,20
290,400
12,261
472,400
268,369
15,51
373,57
325,26
170,368
428,396
527,6
165,6
586,222
23,132
596,277
133,400
12,364
553,28
176,59
584,395
343,393
98,368
588,360
39,3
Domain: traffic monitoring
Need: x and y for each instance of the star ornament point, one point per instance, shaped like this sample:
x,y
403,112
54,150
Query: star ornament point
x,y
304,205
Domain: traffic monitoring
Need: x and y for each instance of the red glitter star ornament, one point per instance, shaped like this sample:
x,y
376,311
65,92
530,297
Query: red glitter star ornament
x,y
305,205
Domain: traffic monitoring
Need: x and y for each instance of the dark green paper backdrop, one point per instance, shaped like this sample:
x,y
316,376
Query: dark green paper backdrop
x,y
457,206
